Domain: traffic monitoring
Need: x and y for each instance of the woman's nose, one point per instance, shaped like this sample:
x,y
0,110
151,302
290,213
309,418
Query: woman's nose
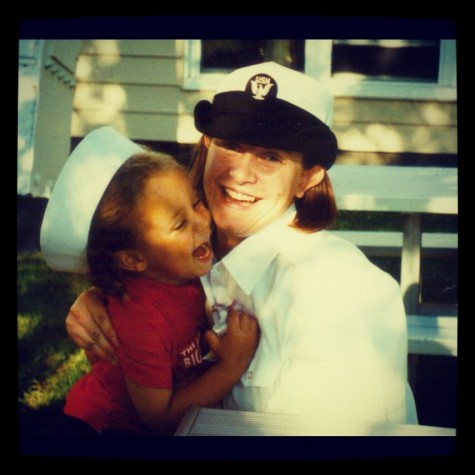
x,y
242,170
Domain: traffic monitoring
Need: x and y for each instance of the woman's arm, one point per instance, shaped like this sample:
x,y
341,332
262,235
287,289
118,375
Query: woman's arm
x,y
89,326
163,409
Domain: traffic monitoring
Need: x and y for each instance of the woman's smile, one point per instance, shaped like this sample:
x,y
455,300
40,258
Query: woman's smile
x,y
248,187
239,197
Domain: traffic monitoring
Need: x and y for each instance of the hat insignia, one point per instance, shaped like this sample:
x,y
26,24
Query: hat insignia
x,y
260,86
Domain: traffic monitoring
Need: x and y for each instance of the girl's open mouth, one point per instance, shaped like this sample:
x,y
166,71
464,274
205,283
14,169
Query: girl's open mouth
x,y
203,253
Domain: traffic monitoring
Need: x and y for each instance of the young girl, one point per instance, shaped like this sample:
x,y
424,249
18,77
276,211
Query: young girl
x,y
147,245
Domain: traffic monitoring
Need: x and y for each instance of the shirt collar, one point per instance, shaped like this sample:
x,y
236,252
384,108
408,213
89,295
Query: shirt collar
x,y
250,258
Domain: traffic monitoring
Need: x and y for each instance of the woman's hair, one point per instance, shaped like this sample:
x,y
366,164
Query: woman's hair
x,y
115,225
316,210
196,168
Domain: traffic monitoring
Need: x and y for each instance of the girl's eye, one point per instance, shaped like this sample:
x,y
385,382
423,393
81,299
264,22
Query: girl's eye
x,y
196,203
180,225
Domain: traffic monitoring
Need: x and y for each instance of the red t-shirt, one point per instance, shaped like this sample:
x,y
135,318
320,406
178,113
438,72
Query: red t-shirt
x,y
159,329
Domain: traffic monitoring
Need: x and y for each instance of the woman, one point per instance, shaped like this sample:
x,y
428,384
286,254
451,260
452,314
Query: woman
x,y
333,329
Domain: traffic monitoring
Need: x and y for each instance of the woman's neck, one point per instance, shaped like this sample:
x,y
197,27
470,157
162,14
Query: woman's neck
x,y
223,243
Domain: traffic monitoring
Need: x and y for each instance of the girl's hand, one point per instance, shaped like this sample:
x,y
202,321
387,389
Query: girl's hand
x,y
89,326
163,409
236,348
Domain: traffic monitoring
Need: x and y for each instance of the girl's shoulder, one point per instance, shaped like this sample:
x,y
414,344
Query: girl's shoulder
x,y
152,304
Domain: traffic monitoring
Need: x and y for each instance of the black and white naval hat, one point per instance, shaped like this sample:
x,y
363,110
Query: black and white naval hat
x,y
269,105
76,194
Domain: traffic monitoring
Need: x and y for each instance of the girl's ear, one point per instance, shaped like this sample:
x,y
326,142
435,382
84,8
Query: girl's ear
x,y
207,140
310,178
131,260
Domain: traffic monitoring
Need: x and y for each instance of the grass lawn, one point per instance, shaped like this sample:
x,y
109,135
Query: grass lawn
x,y
48,362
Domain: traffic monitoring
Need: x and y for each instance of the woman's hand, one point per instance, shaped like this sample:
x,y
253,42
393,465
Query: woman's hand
x,y
89,326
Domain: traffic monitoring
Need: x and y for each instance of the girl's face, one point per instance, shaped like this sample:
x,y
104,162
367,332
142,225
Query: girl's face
x,y
248,187
175,229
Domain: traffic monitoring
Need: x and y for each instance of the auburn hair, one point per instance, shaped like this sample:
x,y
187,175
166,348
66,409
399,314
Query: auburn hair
x,y
316,210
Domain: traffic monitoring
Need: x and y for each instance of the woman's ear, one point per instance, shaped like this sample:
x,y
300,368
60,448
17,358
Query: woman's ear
x,y
131,260
206,140
310,178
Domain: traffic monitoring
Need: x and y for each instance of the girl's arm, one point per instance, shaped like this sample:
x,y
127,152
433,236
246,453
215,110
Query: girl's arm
x,y
89,326
163,409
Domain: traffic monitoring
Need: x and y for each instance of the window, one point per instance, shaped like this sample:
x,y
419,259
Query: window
x,y
402,60
207,60
406,69
225,55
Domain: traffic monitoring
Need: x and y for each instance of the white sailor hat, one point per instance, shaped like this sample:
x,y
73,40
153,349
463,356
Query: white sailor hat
x,y
270,105
76,194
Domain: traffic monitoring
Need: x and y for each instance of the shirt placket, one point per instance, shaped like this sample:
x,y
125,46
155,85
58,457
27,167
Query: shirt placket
x,y
218,297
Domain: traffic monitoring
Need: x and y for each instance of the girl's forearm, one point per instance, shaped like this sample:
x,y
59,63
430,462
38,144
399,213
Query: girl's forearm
x,y
206,391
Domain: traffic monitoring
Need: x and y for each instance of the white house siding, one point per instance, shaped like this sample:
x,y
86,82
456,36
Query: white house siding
x,y
136,86
45,93
396,126
29,66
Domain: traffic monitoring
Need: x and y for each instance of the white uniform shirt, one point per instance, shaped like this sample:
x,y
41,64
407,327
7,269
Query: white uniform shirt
x,y
333,339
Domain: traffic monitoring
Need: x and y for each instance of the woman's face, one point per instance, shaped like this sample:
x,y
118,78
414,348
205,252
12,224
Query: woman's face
x,y
248,187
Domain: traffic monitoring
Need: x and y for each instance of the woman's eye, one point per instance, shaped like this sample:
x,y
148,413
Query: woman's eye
x,y
227,145
196,203
271,158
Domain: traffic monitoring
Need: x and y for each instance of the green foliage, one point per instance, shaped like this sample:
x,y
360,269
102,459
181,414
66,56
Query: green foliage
x,y
48,361
370,221
386,221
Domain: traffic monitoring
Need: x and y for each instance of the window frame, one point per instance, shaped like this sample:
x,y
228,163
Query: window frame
x,y
318,54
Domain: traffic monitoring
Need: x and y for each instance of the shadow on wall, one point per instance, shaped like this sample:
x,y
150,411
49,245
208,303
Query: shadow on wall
x,y
26,112
434,384
30,211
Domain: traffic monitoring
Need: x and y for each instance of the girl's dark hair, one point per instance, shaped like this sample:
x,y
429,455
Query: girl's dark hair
x,y
115,225
315,211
